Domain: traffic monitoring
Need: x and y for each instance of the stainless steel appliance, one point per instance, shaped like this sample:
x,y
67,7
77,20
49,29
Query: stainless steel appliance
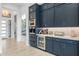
x,y
41,42
32,29
32,26
32,22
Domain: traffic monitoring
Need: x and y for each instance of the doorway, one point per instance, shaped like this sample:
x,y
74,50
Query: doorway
x,y
15,27
9,28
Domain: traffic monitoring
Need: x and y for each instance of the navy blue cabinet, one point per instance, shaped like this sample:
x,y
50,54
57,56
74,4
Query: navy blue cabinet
x,y
34,11
38,17
66,15
48,17
65,47
47,14
34,7
49,44
62,47
57,47
55,14
69,49
35,14
44,18
33,40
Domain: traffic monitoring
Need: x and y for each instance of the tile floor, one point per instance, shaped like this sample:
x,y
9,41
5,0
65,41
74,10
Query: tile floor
x,y
13,48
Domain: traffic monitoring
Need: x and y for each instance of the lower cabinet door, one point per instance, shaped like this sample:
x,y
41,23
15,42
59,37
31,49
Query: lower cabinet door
x,y
33,43
69,49
49,44
57,49
33,40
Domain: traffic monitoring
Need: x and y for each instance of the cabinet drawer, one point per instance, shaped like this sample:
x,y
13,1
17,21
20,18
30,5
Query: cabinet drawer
x,y
32,35
69,41
48,37
56,39
65,40
32,39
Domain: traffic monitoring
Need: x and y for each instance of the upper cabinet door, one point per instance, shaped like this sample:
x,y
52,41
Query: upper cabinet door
x,y
48,17
44,18
66,15
35,14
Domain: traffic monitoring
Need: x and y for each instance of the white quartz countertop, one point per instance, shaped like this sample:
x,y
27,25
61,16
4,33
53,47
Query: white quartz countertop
x,y
64,37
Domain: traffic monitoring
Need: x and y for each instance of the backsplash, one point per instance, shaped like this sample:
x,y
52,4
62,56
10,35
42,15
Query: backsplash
x,y
64,31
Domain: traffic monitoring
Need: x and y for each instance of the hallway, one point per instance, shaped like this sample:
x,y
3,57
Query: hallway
x,y
13,48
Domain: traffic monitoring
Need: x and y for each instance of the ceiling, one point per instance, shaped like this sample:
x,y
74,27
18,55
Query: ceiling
x,y
20,4
15,4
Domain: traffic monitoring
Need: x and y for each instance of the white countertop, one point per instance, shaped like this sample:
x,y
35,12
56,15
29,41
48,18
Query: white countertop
x,y
64,37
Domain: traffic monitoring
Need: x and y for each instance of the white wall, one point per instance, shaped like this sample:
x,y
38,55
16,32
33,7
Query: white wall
x,y
0,21
19,27
25,10
0,32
